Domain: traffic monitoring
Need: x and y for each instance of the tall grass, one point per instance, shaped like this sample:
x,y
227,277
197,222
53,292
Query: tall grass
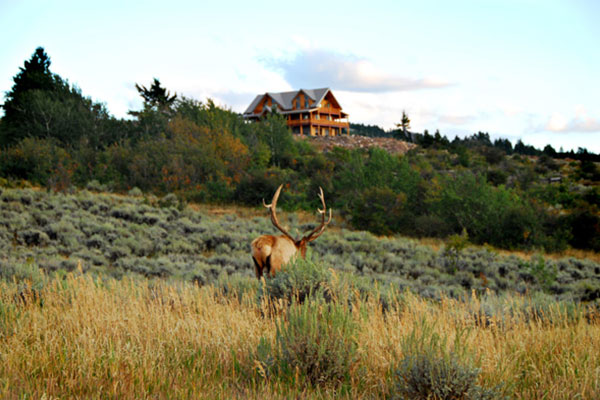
x,y
84,337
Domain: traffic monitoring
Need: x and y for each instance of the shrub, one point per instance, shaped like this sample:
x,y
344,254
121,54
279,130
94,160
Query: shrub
x,y
171,201
135,192
544,274
95,186
455,244
315,343
297,280
428,370
34,237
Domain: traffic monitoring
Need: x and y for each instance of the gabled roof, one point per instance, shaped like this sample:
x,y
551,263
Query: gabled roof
x,y
284,99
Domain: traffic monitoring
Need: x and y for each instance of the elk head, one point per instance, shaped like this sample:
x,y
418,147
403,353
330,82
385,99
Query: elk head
x,y
270,252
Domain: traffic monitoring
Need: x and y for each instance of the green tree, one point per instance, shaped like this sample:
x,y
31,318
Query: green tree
x,y
158,109
42,104
157,96
276,134
404,124
505,145
549,151
378,210
34,75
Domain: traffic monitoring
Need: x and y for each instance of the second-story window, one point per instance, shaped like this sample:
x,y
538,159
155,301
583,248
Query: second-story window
x,y
305,102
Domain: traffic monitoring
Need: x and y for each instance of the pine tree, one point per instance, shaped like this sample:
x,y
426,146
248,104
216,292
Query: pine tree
x,y
43,105
405,126
157,96
159,109
35,75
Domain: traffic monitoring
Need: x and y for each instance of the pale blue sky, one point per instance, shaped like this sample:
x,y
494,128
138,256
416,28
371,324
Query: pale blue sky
x,y
523,69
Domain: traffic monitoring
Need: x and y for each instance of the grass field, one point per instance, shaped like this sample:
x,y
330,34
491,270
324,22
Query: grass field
x,y
81,337
128,297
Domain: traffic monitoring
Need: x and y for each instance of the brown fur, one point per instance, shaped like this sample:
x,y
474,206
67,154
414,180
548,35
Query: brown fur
x,y
270,253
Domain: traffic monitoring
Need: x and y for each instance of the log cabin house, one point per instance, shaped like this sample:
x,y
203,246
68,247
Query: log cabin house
x,y
314,112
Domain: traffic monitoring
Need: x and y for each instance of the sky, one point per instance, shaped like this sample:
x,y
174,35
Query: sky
x,y
522,70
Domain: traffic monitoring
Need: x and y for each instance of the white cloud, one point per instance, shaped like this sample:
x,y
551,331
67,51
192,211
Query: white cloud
x,y
581,122
313,67
456,119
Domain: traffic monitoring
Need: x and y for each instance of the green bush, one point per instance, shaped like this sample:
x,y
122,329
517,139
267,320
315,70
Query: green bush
x,y
542,273
297,280
429,370
455,244
314,343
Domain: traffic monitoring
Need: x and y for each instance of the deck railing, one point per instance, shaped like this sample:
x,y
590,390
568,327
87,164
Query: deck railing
x,y
319,122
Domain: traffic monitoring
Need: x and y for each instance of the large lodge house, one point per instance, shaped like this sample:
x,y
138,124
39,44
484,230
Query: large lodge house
x,y
314,112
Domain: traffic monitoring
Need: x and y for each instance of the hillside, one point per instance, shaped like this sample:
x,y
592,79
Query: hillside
x,y
105,295
355,142
511,197
162,237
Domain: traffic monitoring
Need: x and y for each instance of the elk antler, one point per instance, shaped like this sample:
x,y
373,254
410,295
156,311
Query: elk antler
x,y
274,213
321,228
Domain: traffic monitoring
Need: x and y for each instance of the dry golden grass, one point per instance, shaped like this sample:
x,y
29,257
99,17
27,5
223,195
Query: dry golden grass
x,y
81,338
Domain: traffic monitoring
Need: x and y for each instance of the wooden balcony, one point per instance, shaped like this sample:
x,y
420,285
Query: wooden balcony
x,y
318,122
325,110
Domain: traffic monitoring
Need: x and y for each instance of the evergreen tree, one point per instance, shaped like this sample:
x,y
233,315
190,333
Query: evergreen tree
x,y
427,140
159,109
440,140
42,104
404,125
157,96
34,75
505,145
549,151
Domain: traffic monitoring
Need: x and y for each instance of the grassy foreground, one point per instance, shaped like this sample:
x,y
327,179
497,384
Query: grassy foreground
x,y
84,337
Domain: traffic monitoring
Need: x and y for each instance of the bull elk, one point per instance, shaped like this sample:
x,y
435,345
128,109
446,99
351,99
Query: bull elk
x,y
270,252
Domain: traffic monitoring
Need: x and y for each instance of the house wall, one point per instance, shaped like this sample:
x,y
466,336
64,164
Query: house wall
x,y
316,123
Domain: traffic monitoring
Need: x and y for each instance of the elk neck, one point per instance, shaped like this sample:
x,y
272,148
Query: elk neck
x,y
301,247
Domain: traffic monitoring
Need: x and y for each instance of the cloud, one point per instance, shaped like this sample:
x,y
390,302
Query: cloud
x,y
312,68
456,119
581,122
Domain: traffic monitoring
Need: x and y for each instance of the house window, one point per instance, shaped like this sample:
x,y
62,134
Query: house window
x,y
305,102
305,116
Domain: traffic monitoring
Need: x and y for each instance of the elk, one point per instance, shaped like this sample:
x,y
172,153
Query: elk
x,y
270,252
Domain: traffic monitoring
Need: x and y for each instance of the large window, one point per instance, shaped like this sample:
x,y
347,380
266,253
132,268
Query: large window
x,y
305,101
